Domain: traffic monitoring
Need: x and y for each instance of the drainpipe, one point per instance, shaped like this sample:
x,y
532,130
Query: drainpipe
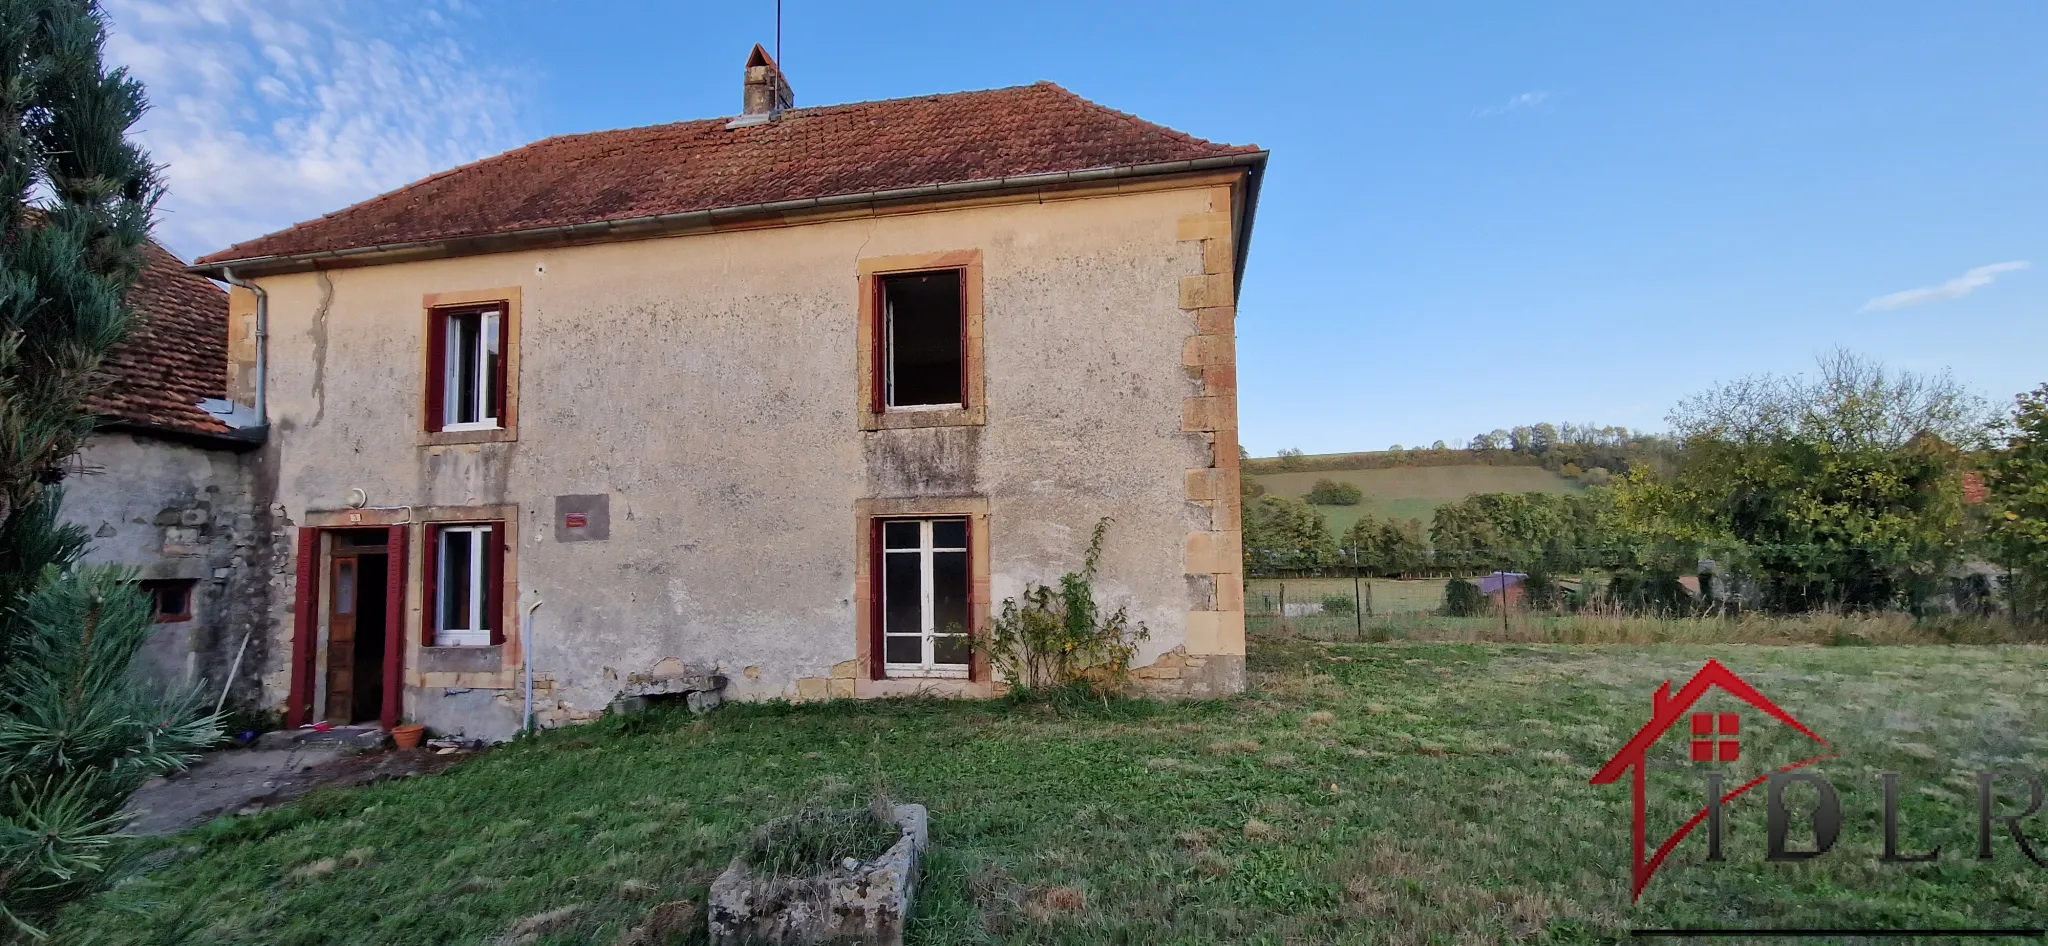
x,y
526,655
262,342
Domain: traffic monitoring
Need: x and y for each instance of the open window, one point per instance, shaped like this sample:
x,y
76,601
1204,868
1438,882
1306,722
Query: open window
x,y
925,584
466,572
920,341
466,362
924,341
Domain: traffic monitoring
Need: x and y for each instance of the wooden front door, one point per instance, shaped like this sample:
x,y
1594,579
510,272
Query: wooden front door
x,y
344,579
358,629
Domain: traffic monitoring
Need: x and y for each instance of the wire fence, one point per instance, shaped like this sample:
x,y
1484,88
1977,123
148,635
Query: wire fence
x,y
1780,593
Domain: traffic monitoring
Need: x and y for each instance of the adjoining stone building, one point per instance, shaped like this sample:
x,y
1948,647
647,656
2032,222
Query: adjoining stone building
x,y
169,488
782,401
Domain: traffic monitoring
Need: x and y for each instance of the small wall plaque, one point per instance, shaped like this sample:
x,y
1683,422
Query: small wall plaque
x,y
583,518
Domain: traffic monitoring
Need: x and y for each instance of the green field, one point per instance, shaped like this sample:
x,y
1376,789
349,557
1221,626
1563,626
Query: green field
x,y
1380,793
1415,492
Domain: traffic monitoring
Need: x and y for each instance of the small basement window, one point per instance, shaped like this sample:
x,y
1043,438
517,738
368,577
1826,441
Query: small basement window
x,y
170,599
923,341
468,569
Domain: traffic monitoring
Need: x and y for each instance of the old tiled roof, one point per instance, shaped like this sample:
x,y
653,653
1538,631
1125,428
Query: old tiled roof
x,y
176,351
702,165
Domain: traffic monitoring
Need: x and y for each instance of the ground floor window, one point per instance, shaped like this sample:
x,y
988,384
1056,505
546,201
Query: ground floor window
x,y
170,600
924,597
468,570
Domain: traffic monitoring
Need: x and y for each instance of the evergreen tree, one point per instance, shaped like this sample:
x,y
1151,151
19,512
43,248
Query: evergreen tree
x,y
77,736
75,204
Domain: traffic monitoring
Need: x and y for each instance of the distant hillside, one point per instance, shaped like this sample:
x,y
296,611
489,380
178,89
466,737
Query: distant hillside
x,y
1411,491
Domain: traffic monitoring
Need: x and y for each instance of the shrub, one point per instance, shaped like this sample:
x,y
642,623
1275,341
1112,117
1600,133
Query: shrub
x,y
1462,599
1339,604
1051,639
1332,493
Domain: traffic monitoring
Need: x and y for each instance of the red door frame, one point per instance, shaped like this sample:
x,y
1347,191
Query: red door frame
x,y
306,620
395,549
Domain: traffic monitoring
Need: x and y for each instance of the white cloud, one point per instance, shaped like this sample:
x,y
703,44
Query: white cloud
x,y
269,112
1524,100
1953,289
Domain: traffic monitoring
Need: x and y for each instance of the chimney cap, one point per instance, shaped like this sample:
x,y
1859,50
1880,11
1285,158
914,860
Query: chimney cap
x,y
767,92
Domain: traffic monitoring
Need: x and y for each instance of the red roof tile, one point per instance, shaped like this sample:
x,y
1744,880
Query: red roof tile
x,y
702,165
176,351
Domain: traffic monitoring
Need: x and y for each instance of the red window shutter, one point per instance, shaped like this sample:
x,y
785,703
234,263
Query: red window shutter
x,y
430,576
875,580
394,626
305,617
494,583
437,370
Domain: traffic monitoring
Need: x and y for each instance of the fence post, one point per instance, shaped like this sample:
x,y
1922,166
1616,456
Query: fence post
x,y
1357,603
1368,599
1502,574
1283,608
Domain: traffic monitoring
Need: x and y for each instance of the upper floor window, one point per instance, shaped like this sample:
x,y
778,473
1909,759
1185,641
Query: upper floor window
x,y
466,369
924,340
919,346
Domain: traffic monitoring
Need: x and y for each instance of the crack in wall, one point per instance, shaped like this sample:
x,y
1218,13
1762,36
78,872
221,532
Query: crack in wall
x,y
318,333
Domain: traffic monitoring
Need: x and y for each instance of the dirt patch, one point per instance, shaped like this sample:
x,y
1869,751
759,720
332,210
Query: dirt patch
x,y
248,781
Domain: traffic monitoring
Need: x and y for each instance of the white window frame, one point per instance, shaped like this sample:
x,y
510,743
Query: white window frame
x,y
927,634
889,349
488,341
476,634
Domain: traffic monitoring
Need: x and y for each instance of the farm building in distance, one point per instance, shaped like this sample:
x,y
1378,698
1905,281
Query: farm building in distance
x,y
782,403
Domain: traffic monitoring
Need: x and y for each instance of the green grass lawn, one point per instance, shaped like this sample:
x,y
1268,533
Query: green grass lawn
x,y
1376,793
1415,492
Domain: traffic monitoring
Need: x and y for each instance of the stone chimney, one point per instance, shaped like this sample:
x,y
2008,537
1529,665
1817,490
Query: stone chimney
x,y
767,92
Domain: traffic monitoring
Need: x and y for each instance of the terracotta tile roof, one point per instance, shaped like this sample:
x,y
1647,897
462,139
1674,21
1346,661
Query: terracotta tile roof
x,y
176,351
701,165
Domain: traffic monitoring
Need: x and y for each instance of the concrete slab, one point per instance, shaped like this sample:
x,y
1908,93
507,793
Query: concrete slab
x,y
220,784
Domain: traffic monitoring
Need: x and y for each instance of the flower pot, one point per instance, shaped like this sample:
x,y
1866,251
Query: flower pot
x,y
408,736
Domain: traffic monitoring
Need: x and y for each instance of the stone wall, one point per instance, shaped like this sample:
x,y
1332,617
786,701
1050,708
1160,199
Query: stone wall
x,y
174,510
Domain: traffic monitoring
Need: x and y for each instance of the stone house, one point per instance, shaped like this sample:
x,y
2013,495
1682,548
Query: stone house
x,y
169,488
784,403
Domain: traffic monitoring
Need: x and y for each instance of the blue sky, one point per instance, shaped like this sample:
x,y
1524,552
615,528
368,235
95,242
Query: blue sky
x,y
1476,215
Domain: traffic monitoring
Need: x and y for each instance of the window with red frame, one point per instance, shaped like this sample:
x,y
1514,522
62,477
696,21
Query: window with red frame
x,y
465,584
466,369
170,599
1716,737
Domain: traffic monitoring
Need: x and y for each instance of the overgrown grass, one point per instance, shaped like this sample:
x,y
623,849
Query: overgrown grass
x,y
1377,793
817,839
